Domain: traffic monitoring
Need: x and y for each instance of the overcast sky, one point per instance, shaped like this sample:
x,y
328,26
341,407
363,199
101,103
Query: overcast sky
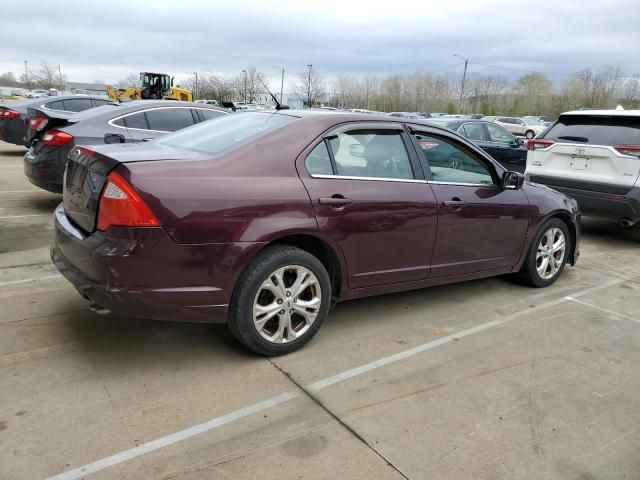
x,y
110,39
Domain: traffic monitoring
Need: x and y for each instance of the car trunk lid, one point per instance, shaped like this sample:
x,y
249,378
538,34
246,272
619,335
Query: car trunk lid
x,y
87,171
38,121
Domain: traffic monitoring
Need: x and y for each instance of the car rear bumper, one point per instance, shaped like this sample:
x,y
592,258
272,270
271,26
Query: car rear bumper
x,y
617,206
43,174
142,272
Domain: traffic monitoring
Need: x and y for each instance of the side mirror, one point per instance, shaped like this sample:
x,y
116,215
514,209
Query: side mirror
x,y
113,138
512,181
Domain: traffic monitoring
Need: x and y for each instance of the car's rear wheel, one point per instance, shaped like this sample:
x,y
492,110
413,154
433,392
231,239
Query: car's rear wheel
x,y
280,301
530,134
547,255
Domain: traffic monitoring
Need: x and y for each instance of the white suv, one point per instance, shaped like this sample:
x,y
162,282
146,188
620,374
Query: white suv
x,y
594,157
528,127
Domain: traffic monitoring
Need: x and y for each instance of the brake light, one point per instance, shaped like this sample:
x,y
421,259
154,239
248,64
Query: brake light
x,y
121,205
8,113
633,150
538,143
56,138
37,123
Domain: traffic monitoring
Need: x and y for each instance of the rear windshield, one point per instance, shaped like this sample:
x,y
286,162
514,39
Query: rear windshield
x,y
596,130
220,134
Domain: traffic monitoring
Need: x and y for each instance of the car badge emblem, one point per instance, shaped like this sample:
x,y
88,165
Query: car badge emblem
x,y
580,151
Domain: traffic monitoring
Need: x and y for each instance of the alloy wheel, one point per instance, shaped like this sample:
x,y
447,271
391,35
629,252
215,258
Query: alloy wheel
x,y
550,254
286,304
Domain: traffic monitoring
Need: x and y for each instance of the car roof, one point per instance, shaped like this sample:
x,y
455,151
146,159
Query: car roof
x,y
135,105
608,113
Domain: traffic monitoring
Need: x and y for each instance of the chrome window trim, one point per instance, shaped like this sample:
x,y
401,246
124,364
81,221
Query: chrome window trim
x,y
375,179
462,184
156,108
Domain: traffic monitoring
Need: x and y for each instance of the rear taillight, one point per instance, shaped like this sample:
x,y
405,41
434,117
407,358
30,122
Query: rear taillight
x,y
539,143
633,150
120,205
37,123
56,138
8,113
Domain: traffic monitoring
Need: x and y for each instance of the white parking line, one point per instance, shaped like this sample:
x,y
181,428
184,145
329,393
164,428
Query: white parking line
x,y
6,217
29,280
605,310
23,191
265,404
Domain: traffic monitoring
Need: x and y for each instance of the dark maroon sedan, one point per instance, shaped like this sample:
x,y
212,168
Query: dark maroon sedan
x,y
265,220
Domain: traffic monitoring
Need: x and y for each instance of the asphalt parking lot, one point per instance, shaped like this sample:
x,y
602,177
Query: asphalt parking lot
x,y
481,380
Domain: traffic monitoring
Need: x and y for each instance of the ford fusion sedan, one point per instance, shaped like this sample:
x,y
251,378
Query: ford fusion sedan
x,y
54,134
265,220
13,121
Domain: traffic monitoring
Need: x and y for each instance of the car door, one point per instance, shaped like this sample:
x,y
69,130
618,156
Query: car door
x,y
506,148
369,195
481,226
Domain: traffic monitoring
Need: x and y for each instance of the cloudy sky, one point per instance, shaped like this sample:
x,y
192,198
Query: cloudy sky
x,y
110,39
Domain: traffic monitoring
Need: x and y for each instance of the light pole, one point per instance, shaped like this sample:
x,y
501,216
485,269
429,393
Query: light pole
x,y
464,77
195,93
281,81
309,87
26,76
245,86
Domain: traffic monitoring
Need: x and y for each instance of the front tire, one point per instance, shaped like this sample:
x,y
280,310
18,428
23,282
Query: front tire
x,y
547,254
280,301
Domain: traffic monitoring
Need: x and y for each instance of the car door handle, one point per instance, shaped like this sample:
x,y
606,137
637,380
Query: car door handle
x,y
454,203
336,201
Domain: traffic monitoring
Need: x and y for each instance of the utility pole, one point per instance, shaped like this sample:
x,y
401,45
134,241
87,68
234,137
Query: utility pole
x,y
464,77
195,93
26,76
245,86
60,77
309,87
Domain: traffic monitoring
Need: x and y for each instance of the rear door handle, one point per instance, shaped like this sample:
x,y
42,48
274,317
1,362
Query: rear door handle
x,y
454,203
335,201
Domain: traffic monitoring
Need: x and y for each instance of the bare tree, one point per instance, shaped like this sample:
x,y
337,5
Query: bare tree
x,y
46,76
131,80
309,86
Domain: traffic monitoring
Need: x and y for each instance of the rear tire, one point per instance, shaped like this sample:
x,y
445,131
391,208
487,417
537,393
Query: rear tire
x,y
280,301
530,134
547,254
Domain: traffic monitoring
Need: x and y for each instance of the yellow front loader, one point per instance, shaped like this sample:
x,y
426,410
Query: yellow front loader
x,y
152,86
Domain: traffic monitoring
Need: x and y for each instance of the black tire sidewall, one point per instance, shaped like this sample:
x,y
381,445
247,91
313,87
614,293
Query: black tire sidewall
x,y
265,263
530,271
527,134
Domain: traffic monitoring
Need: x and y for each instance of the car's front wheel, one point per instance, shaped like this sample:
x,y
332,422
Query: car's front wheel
x,y
280,301
547,255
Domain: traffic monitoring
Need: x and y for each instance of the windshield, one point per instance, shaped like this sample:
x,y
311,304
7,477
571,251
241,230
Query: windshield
x,y
220,134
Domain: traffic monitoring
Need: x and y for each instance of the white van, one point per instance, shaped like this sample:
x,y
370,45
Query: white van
x,y
594,157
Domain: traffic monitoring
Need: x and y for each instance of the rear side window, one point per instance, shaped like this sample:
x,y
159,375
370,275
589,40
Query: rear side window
x,y
98,103
227,132
169,119
474,131
371,153
318,162
59,105
137,120
77,104
596,130
208,114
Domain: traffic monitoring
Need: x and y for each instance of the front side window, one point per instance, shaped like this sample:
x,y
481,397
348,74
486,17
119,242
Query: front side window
x,y
499,134
169,119
474,131
450,163
375,153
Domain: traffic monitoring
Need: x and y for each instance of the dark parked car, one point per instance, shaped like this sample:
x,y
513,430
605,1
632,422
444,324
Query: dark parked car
x,y
58,132
498,142
13,125
264,220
